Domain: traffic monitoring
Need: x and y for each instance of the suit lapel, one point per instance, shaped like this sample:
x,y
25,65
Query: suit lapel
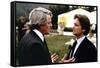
x,y
43,43
34,34
80,48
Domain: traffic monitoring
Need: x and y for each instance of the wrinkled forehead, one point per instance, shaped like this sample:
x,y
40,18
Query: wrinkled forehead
x,y
49,18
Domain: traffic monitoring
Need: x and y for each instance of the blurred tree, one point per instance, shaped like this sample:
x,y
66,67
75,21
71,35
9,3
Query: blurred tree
x,y
23,9
56,10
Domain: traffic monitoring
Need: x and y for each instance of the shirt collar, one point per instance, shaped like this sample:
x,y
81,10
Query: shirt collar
x,y
80,39
39,34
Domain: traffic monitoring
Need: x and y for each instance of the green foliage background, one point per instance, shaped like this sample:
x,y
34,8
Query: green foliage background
x,y
56,44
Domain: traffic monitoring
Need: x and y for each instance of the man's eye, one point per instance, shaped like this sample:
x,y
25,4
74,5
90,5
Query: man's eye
x,y
76,24
48,22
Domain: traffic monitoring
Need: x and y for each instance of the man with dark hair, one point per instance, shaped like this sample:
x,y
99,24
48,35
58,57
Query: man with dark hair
x,y
21,23
33,49
83,50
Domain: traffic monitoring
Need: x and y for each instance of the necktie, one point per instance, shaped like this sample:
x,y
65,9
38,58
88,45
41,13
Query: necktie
x,y
45,44
73,48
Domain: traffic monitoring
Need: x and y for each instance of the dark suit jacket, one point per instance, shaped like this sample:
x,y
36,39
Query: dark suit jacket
x,y
32,51
86,52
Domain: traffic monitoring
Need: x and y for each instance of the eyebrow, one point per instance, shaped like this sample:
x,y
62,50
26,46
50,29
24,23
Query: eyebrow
x,y
76,24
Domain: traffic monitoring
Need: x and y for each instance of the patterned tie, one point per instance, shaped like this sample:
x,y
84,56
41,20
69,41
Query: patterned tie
x,y
73,48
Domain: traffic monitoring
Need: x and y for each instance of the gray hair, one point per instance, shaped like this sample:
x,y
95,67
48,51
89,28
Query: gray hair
x,y
39,16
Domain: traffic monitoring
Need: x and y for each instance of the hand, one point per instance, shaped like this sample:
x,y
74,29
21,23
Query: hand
x,y
68,61
54,57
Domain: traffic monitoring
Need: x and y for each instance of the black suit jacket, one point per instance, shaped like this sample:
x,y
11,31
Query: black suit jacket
x,y
86,52
32,51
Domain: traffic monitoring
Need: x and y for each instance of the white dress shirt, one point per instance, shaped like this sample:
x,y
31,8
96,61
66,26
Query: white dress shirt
x,y
39,34
79,41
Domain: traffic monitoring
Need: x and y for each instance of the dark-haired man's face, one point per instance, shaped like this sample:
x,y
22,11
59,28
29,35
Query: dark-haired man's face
x,y
77,29
22,19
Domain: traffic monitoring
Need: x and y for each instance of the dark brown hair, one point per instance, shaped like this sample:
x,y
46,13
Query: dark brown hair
x,y
84,22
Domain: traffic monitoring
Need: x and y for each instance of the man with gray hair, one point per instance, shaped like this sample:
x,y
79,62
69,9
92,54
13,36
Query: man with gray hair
x,y
33,49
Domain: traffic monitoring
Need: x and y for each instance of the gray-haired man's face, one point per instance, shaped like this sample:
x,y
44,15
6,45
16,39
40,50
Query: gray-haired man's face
x,y
46,28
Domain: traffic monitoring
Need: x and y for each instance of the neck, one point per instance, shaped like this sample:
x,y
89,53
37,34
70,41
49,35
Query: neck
x,y
41,31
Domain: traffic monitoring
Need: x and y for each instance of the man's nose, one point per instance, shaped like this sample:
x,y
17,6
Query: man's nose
x,y
73,27
50,24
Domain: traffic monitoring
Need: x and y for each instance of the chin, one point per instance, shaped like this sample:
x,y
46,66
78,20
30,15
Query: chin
x,y
75,34
46,33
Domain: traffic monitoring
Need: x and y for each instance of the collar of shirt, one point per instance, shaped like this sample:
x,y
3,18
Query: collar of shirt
x,y
39,34
78,43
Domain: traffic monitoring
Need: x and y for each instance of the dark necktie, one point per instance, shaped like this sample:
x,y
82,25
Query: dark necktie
x,y
45,45
45,42
73,48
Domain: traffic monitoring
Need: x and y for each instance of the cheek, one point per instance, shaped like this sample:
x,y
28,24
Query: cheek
x,y
46,28
76,30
